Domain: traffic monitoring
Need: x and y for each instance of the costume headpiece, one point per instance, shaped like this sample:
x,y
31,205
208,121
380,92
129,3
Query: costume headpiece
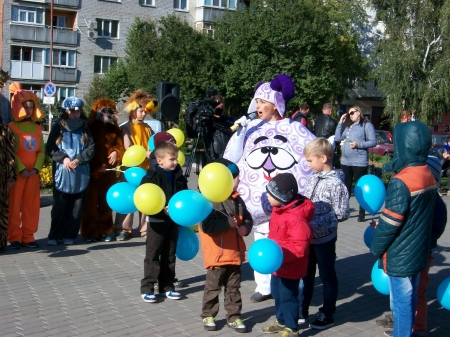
x,y
103,109
20,96
72,102
278,92
141,99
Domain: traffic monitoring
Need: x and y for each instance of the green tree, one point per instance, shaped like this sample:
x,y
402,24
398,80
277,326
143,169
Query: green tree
x,y
413,70
313,42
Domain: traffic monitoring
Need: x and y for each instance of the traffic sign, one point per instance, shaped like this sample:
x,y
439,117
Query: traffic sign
x,y
49,100
50,89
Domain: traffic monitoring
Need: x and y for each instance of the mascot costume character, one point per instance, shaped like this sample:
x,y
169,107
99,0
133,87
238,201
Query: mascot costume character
x,y
97,221
136,132
262,149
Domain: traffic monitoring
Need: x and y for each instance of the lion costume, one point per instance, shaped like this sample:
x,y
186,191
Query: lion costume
x,y
97,218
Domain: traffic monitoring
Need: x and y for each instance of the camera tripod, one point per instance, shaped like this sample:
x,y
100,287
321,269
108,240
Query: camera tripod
x,y
205,157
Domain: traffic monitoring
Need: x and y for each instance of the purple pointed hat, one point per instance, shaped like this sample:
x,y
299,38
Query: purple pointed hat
x,y
278,92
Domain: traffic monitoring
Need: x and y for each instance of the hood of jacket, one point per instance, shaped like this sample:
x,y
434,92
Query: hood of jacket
x,y
412,142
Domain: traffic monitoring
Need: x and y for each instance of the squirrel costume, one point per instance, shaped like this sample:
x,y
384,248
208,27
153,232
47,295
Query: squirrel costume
x,y
97,221
136,132
24,196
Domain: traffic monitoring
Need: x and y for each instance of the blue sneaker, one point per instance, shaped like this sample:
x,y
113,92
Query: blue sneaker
x,y
149,297
173,295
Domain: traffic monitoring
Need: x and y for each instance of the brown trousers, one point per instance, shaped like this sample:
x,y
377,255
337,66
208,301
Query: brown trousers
x,y
230,278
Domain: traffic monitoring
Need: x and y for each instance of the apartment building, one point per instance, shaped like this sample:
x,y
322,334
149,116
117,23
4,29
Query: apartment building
x,y
88,36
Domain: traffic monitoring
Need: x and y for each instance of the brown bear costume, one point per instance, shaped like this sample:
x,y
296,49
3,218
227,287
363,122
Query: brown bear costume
x,y
97,218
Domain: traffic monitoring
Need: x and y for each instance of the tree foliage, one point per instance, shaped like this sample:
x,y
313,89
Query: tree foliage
x,y
413,70
313,42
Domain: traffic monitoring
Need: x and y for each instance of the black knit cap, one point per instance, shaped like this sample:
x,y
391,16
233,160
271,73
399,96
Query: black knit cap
x,y
230,165
283,187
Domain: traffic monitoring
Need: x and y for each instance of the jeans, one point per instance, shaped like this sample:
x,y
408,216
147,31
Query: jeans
x,y
285,292
300,297
403,303
324,255
356,172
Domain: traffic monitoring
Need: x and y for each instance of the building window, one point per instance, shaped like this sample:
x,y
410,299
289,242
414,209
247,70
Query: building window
x,y
205,28
61,58
29,54
180,4
64,92
27,14
37,89
147,2
60,21
108,28
230,4
102,63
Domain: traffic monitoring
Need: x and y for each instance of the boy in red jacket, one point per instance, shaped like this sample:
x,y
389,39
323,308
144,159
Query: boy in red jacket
x,y
289,227
223,254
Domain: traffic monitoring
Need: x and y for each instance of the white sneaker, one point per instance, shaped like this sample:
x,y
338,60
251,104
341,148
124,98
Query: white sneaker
x,y
173,295
52,242
149,298
68,242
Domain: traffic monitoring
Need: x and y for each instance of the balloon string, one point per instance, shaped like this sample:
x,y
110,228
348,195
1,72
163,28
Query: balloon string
x,y
114,170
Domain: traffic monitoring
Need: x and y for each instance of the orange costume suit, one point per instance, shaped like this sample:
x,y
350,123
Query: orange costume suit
x,y
24,196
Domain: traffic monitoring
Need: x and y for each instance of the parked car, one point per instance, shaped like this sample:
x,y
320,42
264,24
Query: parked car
x,y
382,148
385,135
155,124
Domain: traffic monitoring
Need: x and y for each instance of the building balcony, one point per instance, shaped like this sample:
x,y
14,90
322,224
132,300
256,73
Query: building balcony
x,y
206,14
65,75
67,37
58,3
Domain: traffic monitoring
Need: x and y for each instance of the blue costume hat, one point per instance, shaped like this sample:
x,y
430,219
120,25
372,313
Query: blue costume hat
x,y
72,103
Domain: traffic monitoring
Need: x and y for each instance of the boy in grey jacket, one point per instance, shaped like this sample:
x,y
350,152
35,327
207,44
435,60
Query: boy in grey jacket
x,y
329,194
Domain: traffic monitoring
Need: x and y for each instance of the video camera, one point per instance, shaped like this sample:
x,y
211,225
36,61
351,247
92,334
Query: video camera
x,y
206,107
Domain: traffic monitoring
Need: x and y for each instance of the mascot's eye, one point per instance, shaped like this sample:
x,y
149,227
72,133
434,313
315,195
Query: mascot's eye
x,y
257,158
282,159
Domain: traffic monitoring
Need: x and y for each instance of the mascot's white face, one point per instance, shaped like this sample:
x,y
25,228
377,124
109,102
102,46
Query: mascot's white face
x,y
271,148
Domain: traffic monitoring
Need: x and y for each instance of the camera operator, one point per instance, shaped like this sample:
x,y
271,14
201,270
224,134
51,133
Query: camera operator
x,y
205,120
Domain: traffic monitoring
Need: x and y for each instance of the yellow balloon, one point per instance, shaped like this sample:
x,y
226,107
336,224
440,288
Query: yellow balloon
x,y
215,182
178,135
181,159
149,199
134,155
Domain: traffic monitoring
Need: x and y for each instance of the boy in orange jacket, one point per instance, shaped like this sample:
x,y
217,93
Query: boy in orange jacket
x,y
223,254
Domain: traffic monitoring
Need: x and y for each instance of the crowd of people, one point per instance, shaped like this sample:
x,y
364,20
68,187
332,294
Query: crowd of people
x,y
286,188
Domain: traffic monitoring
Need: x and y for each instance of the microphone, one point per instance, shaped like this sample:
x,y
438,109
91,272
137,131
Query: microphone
x,y
251,116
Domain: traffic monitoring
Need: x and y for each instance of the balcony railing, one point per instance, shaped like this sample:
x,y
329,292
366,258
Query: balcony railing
x,y
42,34
59,3
67,75
206,14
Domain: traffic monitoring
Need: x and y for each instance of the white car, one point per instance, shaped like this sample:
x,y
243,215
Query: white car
x,y
155,124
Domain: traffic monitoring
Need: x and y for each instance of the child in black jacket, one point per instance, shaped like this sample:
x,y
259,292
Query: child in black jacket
x,y
162,232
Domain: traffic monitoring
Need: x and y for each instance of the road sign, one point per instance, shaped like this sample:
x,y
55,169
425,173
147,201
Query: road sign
x,y
49,100
50,89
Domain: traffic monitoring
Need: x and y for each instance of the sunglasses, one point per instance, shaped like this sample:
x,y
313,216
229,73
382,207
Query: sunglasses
x,y
351,113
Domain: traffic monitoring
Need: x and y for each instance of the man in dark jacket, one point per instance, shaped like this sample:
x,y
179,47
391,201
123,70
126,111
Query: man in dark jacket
x,y
302,116
325,126
402,238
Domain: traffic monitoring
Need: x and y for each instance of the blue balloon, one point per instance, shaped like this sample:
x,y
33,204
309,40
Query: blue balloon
x,y
380,280
134,175
368,236
188,208
187,245
370,193
443,293
265,256
120,198
151,143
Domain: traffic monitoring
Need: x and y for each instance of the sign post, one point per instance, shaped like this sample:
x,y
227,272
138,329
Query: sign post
x,y
49,91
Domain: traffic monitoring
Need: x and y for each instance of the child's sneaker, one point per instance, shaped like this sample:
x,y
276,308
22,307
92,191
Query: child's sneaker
x,y
288,333
149,297
52,243
274,327
209,323
322,322
68,242
173,295
301,319
238,325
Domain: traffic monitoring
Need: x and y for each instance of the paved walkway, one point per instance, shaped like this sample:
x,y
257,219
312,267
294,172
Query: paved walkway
x,y
92,289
